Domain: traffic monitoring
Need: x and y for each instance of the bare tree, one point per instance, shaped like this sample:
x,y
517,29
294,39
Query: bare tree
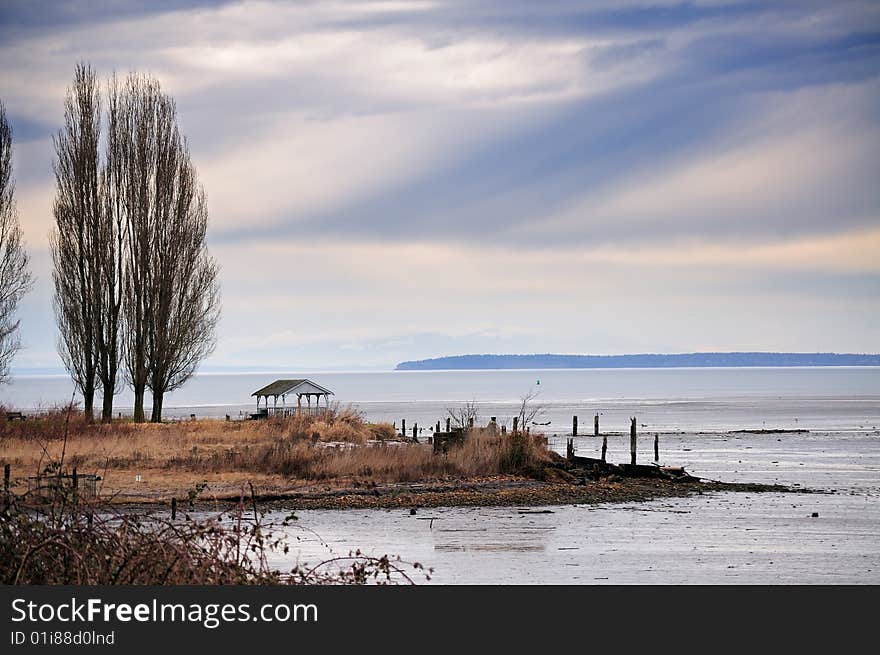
x,y
529,410
77,239
110,256
135,119
171,305
465,415
15,279
185,291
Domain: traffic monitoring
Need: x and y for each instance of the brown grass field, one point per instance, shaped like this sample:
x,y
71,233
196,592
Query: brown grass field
x,y
276,455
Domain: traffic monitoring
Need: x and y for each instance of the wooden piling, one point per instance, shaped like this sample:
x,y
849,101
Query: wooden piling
x,y
515,423
447,424
75,482
632,440
403,428
173,508
596,425
503,429
438,427
574,426
656,447
569,449
416,432
604,447
471,423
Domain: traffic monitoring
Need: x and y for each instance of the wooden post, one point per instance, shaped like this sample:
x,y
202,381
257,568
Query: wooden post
x,y
569,449
632,440
438,427
656,447
515,423
173,508
574,426
503,429
447,424
403,428
75,485
471,423
596,425
416,432
604,447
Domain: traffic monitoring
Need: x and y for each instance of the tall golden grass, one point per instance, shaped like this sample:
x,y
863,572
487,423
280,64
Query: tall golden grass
x,y
337,445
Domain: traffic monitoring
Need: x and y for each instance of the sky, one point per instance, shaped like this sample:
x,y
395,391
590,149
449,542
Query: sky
x,y
400,180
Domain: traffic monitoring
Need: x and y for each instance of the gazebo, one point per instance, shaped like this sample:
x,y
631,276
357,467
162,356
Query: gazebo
x,y
284,388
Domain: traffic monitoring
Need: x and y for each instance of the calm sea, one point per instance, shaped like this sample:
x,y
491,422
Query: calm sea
x,y
826,398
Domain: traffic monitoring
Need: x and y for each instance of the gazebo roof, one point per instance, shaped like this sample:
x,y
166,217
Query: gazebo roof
x,y
283,387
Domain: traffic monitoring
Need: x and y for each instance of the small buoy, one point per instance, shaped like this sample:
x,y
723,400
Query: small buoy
x,y
537,382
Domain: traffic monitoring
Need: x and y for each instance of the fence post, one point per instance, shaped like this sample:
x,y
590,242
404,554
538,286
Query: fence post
x,y
403,428
596,425
173,508
75,485
574,426
632,440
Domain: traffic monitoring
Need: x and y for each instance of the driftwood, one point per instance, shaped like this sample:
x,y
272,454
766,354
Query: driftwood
x,y
596,468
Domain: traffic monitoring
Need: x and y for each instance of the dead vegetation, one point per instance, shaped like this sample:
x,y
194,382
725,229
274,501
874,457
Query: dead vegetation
x,y
339,446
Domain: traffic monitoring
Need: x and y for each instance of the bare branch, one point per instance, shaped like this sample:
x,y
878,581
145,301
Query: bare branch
x,y
15,279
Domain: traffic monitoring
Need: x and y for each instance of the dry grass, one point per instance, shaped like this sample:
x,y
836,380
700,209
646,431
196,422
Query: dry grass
x,y
277,452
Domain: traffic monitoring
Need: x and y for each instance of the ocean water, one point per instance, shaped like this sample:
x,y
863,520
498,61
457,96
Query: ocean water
x,y
720,538
826,398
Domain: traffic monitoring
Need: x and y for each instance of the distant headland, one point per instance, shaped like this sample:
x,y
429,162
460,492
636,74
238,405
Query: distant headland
x,y
701,360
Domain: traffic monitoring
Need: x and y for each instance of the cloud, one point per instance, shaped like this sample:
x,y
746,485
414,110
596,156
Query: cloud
x,y
390,180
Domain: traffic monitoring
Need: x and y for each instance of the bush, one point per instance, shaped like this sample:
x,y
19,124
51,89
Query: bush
x,y
68,542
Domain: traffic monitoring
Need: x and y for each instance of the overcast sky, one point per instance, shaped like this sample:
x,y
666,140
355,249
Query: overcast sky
x,y
399,180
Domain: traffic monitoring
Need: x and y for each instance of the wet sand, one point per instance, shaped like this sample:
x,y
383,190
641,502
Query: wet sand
x,y
719,537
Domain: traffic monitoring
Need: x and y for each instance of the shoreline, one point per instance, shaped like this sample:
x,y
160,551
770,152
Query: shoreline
x,y
505,491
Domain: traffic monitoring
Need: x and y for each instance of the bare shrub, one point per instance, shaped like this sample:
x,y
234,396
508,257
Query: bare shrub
x,y
466,415
71,542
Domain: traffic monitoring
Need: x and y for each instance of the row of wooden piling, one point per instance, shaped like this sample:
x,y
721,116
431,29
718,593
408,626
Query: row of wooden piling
x,y
633,443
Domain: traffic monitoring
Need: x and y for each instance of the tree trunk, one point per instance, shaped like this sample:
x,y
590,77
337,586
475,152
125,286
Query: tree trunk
x,y
89,401
139,402
107,408
157,406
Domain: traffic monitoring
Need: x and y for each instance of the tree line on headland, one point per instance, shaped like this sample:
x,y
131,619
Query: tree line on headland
x,y
137,296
